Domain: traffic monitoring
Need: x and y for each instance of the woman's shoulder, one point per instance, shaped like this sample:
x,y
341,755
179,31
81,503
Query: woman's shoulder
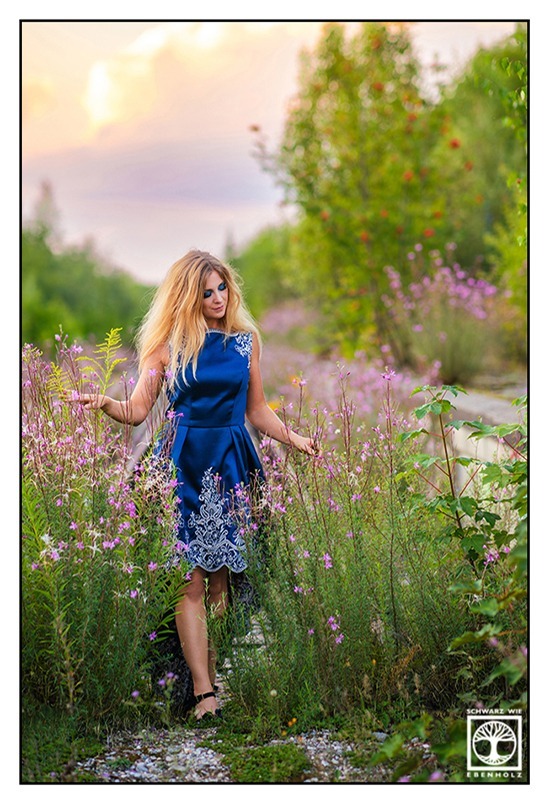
x,y
161,354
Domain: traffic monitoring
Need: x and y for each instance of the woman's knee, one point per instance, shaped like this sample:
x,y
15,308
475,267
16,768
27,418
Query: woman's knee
x,y
195,589
217,585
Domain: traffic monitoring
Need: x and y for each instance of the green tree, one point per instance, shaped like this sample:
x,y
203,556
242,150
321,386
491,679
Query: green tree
x,y
487,106
367,160
264,266
508,242
71,286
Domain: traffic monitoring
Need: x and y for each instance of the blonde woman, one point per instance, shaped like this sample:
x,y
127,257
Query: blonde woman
x,y
199,342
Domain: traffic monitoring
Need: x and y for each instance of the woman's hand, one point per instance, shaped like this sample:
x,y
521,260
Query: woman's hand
x,y
305,444
90,402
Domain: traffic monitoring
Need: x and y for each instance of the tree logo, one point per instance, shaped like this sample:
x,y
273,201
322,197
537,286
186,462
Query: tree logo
x,y
494,742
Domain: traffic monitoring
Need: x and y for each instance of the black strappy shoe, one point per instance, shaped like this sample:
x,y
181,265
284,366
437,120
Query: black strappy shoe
x,y
209,714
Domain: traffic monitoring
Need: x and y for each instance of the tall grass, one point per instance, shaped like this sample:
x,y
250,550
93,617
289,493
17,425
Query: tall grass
x,y
97,544
356,608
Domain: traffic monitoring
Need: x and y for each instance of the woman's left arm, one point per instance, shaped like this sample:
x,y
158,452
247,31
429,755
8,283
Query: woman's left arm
x,y
263,418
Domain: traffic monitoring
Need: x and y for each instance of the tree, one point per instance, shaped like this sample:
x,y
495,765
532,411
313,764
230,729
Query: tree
x,y
71,287
357,159
487,104
264,266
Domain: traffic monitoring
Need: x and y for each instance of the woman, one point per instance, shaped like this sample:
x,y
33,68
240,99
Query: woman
x,y
199,342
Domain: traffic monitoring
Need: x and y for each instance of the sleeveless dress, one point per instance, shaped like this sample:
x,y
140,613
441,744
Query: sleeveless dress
x,y
217,467
214,456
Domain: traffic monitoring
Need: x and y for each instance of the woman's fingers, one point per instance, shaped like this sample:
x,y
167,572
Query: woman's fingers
x,y
91,402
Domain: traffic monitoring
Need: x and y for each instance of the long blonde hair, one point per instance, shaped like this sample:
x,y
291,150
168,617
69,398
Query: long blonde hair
x,y
175,316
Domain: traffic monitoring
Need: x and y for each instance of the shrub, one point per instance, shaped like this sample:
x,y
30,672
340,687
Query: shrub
x,y
444,315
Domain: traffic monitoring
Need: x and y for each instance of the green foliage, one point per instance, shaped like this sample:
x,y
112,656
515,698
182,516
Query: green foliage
x,y
368,161
482,104
71,287
51,743
264,268
277,763
508,241
375,167
356,612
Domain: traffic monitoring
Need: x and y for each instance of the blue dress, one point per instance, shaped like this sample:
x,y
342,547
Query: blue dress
x,y
213,453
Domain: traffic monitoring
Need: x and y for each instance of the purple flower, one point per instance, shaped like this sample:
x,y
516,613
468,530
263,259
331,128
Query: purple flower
x,y
153,636
327,559
152,566
135,694
436,776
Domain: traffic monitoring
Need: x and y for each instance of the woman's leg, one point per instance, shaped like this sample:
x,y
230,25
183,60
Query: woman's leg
x,y
217,598
192,629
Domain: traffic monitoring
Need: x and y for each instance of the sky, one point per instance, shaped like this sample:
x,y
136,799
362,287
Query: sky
x,y
142,128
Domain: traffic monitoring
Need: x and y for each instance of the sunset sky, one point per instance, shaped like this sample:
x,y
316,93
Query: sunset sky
x,y
143,128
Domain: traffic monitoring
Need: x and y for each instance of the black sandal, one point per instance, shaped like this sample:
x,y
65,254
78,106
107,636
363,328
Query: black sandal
x,y
209,714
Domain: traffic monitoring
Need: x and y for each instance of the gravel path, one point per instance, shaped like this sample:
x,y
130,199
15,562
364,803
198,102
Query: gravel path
x,y
176,756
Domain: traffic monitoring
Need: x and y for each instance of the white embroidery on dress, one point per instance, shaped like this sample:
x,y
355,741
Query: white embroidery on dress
x,y
217,541
243,345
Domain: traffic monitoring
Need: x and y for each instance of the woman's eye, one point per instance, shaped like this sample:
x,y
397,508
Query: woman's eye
x,y
222,287
207,294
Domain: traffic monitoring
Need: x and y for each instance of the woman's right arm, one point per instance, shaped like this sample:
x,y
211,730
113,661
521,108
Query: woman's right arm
x,y
134,410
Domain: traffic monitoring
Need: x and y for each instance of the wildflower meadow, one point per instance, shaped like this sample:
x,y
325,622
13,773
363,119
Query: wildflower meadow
x,y
387,595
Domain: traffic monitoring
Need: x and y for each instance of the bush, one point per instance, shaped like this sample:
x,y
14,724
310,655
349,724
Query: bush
x,y
444,316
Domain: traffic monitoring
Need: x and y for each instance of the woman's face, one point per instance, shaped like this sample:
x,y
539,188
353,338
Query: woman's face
x,y
214,303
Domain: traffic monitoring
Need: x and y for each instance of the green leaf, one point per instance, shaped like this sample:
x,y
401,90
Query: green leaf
x,y
512,670
412,434
418,389
487,606
424,459
435,407
469,586
474,542
391,748
488,630
468,505
455,390
489,517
